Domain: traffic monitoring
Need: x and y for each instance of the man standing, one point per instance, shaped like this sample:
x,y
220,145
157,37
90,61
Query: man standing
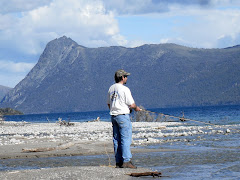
x,y
120,101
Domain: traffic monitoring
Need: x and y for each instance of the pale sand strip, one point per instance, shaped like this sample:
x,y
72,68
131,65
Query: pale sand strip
x,y
84,139
73,173
88,138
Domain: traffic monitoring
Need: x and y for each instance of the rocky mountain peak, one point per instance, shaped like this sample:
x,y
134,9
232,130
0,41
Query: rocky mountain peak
x,y
69,77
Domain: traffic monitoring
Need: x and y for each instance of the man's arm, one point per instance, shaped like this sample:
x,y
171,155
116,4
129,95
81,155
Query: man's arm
x,y
109,106
135,107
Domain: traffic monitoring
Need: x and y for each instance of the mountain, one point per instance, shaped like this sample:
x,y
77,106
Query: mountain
x,y
3,91
69,77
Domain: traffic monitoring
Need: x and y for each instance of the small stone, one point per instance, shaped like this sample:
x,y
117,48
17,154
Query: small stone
x,y
228,131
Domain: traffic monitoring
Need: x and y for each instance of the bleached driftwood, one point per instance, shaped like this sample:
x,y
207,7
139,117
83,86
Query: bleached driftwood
x,y
60,147
95,120
64,123
38,149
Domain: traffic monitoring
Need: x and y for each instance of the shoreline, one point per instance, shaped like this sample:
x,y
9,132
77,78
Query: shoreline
x,y
53,140
34,140
210,151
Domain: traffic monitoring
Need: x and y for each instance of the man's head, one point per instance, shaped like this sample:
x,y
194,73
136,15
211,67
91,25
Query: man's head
x,y
121,75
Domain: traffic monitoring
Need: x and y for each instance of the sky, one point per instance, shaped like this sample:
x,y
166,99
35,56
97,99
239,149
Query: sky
x,y
26,26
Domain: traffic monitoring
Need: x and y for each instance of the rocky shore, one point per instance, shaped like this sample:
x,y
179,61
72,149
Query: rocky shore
x,y
34,140
28,140
21,140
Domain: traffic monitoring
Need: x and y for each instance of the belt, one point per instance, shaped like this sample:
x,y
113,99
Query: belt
x,y
118,115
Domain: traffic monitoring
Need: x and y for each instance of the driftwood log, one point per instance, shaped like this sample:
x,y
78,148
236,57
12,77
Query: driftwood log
x,y
61,147
95,120
63,122
153,174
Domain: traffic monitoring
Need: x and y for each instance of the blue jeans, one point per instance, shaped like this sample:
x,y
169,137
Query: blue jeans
x,y
122,137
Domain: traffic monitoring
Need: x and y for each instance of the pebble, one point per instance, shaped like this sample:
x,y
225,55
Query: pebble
x,y
228,131
143,132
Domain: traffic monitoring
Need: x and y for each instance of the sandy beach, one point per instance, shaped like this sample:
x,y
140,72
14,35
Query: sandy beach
x,y
21,140
82,172
34,140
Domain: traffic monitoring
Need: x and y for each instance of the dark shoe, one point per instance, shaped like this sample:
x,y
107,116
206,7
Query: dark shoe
x,y
119,165
129,165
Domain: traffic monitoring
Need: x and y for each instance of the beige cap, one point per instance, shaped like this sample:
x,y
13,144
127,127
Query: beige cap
x,y
121,72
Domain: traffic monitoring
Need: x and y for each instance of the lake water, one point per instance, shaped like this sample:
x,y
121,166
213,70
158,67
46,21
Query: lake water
x,y
213,114
215,156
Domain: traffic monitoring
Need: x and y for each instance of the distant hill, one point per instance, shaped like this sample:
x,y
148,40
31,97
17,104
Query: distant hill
x,y
9,111
3,91
69,77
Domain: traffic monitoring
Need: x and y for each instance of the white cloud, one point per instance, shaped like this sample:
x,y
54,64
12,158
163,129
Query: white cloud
x,y
203,28
87,22
150,6
26,26
18,67
12,73
26,29
93,23
209,20
12,6
137,7
11,79
227,40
